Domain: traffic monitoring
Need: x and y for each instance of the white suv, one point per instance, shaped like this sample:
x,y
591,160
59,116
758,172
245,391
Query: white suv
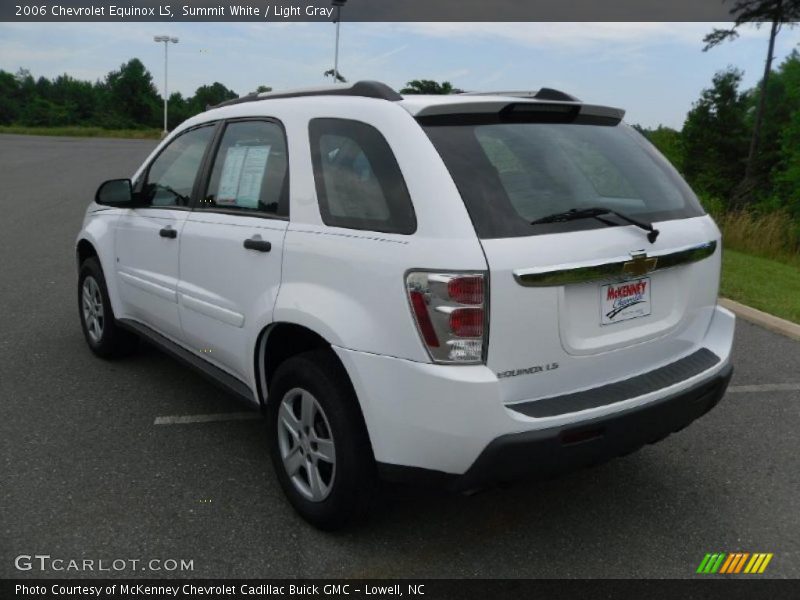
x,y
458,289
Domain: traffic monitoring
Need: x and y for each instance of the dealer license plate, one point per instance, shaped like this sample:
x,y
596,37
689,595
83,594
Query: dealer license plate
x,y
624,301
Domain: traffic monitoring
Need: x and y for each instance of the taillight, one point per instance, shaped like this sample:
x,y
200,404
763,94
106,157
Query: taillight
x,y
450,310
467,322
466,290
423,319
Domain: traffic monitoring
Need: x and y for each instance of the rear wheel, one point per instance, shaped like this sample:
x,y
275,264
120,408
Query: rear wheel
x,y
318,440
102,332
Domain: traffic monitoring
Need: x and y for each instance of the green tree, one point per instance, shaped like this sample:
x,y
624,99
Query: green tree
x,y
9,98
40,112
715,137
179,110
787,179
427,86
210,95
778,13
34,105
782,100
125,98
44,88
669,142
26,86
132,97
785,174
77,98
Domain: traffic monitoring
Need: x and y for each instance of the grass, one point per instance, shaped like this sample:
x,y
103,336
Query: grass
x,y
763,283
77,131
773,235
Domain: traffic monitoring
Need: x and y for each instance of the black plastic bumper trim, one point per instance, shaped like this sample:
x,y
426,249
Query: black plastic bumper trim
x,y
646,383
549,452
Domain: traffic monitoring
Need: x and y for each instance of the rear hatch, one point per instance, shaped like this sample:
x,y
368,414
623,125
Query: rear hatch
x,y
579,301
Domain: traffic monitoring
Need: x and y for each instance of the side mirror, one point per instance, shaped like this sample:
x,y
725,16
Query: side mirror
x,y
115,192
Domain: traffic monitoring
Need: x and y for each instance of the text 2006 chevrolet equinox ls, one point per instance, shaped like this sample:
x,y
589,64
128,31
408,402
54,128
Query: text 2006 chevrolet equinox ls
x,y
461,289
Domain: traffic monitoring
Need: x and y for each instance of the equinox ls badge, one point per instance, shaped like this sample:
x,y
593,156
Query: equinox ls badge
x,y
639,264
529,371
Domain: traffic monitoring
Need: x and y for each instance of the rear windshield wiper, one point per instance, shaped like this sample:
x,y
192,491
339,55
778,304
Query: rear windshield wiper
x,y
593,213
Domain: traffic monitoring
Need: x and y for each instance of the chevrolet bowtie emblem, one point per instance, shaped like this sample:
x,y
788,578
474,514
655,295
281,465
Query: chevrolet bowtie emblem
x,y
639,264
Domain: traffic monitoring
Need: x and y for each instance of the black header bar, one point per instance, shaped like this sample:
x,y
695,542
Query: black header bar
x,y
364,10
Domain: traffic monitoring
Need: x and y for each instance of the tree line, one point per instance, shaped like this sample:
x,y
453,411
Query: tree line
x,y
737,148
126,98
713,147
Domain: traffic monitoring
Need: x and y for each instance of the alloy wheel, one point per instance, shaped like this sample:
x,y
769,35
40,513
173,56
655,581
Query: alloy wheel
x,y
306,444
92,305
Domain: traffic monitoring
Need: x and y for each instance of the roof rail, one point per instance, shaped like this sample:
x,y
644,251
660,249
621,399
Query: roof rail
x,y
365,89
542,94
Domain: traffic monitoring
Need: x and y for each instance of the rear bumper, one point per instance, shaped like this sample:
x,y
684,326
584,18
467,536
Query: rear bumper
x,y
451,420
548,452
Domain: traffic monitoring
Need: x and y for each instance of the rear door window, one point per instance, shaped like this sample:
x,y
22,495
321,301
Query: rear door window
x,y
358,181
250,172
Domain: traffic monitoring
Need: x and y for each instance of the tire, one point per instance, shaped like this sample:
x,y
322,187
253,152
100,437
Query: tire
x,y
336,430
100,328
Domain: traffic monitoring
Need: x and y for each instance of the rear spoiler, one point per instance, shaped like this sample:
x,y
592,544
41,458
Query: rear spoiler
x,y
518,111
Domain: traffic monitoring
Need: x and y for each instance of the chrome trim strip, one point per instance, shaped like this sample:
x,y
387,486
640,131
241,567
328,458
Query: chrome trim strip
x,y
608,269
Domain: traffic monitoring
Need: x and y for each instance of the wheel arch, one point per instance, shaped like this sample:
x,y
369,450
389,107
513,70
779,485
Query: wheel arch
x,y
91,246
96,238
280,341
84,249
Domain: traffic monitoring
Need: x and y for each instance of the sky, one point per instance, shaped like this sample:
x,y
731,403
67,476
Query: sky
x,y
653,70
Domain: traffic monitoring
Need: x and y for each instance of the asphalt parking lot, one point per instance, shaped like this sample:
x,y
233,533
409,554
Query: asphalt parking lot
x,y
87,472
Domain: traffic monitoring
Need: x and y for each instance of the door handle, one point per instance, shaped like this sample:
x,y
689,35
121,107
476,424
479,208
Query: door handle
x,y
258,244
168,232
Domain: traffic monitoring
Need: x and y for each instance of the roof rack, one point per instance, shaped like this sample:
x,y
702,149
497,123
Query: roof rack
x,y
365,89
542,94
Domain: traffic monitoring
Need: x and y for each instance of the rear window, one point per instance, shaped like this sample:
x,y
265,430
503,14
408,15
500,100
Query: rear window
x,y
510,174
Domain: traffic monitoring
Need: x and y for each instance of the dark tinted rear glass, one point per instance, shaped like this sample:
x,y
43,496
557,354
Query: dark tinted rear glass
x,y
510,174
359,183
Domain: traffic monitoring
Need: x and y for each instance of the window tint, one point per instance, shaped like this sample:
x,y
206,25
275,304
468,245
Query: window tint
x,y
171,176
250,172
359,184
510,174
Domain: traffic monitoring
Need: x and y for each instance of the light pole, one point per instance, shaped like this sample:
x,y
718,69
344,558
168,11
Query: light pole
x,y
166,39
338,4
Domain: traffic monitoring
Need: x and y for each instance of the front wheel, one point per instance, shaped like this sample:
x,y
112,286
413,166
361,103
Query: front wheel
x,y
103,335
318,441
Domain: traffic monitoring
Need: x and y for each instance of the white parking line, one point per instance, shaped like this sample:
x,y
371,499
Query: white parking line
x,y
184,419
767,387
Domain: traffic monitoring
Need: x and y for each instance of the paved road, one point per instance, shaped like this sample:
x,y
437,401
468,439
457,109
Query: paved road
x,y
87,474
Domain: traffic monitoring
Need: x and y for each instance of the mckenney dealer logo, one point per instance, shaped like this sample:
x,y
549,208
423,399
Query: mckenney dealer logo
x,y
626,291
734,563
622,296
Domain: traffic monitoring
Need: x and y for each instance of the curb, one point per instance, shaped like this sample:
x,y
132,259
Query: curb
x,y
765,320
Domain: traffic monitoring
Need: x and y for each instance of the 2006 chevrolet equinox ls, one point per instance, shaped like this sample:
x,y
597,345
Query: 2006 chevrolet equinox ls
x,y
459,289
